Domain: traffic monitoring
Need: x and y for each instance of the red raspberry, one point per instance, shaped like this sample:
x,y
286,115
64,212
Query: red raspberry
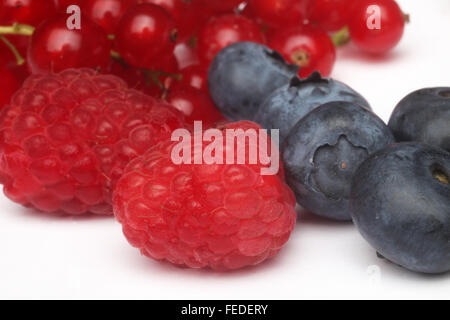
x,y
221,216
66,138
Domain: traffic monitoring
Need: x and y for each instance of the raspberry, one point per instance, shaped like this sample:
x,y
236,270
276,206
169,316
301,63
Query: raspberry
x,y
219,216
66,138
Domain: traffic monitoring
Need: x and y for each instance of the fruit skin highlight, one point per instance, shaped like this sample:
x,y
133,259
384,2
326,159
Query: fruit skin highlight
x,y
290,103
219,216
424,116
66,138
400,203
323,151
242,75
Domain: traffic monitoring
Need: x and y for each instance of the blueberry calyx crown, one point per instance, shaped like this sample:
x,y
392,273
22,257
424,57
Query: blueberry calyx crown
x,y
314,78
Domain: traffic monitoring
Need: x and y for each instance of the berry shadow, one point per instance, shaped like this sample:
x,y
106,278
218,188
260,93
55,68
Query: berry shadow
x,y
168,268
305,217
393,271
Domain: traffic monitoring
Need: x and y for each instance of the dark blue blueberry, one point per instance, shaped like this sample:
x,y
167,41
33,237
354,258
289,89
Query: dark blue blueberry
x,y
324,149
288,104
242,75
423,116
400,202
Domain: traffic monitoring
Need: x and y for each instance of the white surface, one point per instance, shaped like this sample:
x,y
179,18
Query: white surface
x,y
43,256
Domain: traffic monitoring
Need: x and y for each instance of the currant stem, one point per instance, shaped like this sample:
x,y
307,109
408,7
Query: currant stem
x,y
19,58
17,29
341,38
115,55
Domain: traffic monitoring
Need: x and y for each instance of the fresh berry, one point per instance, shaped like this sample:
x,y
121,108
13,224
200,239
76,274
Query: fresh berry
x,y
219,216
242,75
309,47
145,33
31,12
54,47
291,102
323,151
376,26
400,202
280,13
331,15
424,116
195,104
223,30
9,84
106,13
66,138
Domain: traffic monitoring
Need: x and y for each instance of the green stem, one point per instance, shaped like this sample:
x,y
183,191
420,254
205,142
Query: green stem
x,y
176,76
19,58
115,55
341,38
17,29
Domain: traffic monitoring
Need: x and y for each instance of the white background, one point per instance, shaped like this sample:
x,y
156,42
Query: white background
x,y
46,256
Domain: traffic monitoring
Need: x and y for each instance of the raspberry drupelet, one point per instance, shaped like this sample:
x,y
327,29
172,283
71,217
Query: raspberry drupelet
x,y
66,138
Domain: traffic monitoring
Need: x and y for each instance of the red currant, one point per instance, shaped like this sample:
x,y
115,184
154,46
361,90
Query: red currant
x,y
223,30
280,13
376,26
54,47
308,46
195,104
331,15
145,31
30,12
106,13
9,84
222,6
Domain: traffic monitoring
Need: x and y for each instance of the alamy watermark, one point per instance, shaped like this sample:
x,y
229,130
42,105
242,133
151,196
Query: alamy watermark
x,y
373,22
228,146
74,20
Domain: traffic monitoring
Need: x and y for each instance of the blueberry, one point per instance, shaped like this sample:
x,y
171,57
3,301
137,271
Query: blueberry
x,y
288,104
324,149
423,116
242,75
400,202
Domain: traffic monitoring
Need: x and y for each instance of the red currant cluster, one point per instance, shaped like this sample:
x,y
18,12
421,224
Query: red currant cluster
x,y
160,44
